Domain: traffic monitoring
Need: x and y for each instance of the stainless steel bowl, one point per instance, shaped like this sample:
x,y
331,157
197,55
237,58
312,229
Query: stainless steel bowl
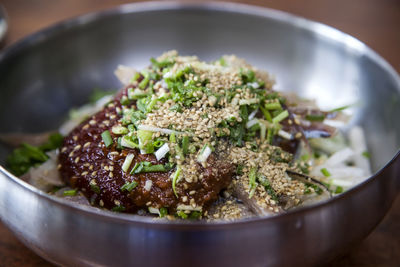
x,y
44,75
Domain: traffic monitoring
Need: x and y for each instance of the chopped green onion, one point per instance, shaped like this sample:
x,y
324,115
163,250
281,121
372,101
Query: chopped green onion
x,y
135,77
269,135
126,142
144,141
266,113
172,138
315,117
263,130
185,144
118,129
248,101
252,181
144,83
366,154
136,167
127,162
182,214
325,172
315,187
136,94
154,168
129,186
151,104
175,177
124,100
222,62
158,143
163,212
339,190
195,215
280,117
272,106
119,208
70,192
107,138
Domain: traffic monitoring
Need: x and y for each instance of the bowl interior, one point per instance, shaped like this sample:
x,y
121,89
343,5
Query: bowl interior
x,y
45,75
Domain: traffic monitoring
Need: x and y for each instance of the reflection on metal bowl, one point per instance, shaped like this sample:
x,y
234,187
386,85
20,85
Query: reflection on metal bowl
x,y
44,75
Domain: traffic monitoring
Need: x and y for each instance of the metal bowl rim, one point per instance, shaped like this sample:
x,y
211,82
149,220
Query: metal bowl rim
x,y
243,9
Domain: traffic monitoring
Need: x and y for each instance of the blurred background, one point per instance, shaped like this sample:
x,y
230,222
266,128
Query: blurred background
x,y
374,22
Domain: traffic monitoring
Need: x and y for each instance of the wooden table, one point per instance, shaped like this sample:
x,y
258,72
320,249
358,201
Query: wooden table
x,y
375,22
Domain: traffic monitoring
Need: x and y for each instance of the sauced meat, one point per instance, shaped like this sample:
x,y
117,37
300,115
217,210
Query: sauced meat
x,y
86,163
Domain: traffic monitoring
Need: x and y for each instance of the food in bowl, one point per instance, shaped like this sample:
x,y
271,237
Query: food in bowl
x,y
189,139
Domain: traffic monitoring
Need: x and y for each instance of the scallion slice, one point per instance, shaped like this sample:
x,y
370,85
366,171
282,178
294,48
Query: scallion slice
x,y
325,172
315,117
70,192
154,168
127,162
126,142
175,179
107,138
185,144
252,181
163,212
280,117
273,106
129,186
144,83
266,114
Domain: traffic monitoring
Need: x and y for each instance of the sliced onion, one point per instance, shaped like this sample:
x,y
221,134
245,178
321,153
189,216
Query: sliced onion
x,y
162,151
